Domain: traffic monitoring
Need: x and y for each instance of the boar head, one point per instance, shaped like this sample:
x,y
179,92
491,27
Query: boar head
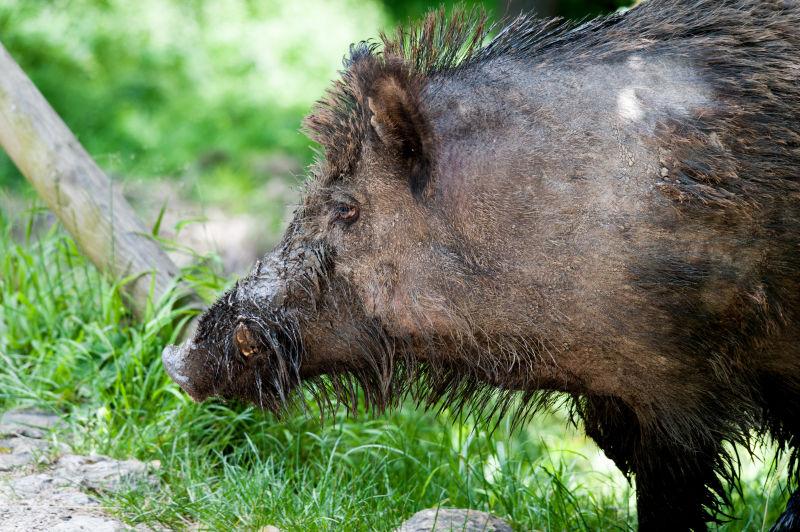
x,y
361,286
386,279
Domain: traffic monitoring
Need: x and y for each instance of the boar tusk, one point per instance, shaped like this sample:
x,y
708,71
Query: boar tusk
x,y
244,340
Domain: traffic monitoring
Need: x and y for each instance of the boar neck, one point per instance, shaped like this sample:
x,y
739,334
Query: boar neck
x,y
549,174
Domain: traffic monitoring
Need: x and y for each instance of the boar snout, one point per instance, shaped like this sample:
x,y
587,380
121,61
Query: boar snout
x,y
176,359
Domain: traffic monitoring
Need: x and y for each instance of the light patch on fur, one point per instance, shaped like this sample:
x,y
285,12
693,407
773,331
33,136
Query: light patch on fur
x,y
636,62
628,105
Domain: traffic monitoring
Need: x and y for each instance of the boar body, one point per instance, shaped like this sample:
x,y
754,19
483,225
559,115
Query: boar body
x,y
609,211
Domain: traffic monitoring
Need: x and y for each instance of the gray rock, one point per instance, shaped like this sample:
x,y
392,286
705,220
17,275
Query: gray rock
x,y
455,520
100,472
17,451
9,460
33,484
8,429
27,422
21,433
89,523
51,498
73,498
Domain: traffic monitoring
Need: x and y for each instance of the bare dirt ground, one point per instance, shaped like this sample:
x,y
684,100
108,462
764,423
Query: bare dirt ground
x,y
44,487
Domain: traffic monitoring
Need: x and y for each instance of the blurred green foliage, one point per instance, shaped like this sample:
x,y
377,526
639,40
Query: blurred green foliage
x,y
153,86
579,9
183,88
405,10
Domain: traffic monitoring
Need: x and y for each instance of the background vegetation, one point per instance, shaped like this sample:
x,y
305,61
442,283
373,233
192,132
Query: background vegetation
x,y
206,97
200,90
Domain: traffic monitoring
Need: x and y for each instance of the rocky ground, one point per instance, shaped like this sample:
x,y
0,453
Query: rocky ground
x,y
451,519
45,487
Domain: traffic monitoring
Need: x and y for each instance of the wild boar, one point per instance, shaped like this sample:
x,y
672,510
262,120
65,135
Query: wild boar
x,y
608,211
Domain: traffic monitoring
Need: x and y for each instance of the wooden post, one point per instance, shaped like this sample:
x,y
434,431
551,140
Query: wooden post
x,y
93,211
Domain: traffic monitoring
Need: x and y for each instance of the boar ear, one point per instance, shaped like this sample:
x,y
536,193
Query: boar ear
x,y
398,122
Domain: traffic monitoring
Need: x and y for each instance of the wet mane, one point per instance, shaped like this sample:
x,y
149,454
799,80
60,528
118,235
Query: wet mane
x,y
440,44
721,34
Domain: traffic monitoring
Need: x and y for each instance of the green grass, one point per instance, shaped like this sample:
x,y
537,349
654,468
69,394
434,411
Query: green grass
x,y
68,345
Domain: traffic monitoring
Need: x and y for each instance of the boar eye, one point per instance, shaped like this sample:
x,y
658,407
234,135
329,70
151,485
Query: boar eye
x,y
345,212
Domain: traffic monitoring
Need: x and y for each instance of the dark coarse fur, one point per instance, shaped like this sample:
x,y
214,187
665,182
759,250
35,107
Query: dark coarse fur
x,y
519,242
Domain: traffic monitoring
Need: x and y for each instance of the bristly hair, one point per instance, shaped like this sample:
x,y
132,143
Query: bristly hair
x,y
439,43
443,45
703,175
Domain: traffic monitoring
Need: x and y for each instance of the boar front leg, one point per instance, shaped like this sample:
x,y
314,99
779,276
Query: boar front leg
x,y
675,487
790,519
782,411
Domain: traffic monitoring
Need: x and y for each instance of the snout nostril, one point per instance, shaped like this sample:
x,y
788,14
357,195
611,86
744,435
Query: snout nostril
x,y
245,340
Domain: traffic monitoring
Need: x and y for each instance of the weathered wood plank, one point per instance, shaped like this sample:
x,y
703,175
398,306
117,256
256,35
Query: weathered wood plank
x,y
86,201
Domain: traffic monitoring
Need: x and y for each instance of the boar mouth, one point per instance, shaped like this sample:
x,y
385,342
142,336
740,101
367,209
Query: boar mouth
x,y
253,359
